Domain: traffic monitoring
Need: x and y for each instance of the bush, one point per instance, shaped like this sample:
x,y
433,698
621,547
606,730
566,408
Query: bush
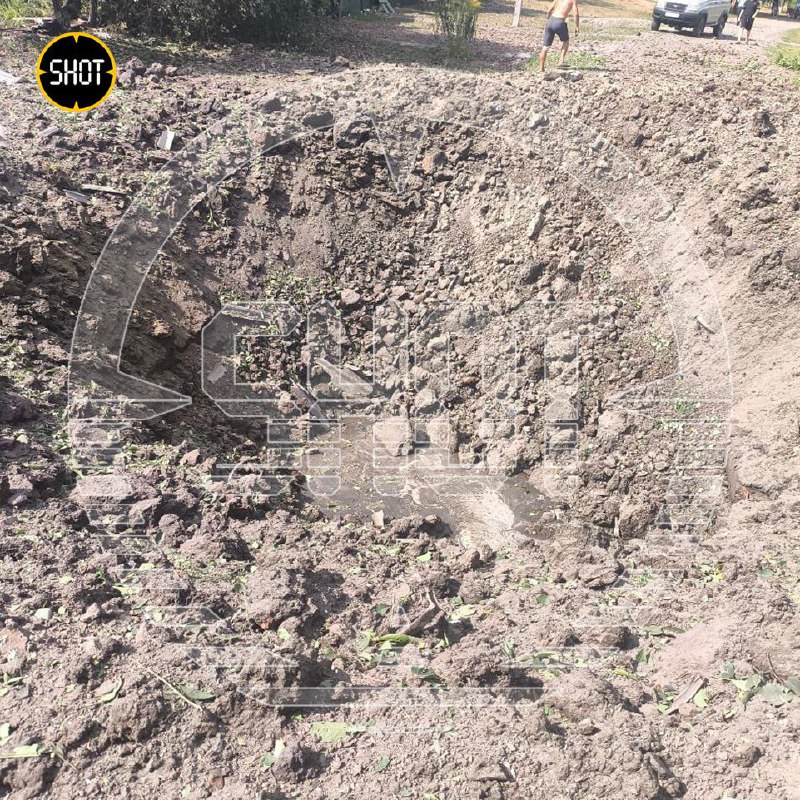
x,y
268,21
14,9
456,21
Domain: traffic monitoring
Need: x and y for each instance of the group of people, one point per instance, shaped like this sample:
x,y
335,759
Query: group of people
x,y
747,11
560,10
790,7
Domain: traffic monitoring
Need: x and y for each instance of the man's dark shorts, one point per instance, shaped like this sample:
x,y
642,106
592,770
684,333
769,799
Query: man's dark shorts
x,y
555,27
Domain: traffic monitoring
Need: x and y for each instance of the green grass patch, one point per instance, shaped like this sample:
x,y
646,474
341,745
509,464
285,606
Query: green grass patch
x,y
793,37
14,9
787,55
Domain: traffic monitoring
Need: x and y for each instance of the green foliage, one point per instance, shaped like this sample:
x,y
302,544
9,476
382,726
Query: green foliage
x,y
456,21
15,9
267,21
788,57
788,54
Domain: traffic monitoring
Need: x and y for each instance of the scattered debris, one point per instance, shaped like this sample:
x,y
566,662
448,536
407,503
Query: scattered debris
x,y
8,79
78,197
686,695
704,325
166,140
92,187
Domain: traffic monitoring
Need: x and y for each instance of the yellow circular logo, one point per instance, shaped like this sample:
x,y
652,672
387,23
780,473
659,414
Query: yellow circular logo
x,y
76,71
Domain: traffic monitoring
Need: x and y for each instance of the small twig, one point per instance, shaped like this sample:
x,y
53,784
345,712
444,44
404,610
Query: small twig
x,y
175,689
703,324
183,697
433,614
772,669
686,695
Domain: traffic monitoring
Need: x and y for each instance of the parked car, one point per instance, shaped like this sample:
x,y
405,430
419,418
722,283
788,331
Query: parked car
x,y
694,14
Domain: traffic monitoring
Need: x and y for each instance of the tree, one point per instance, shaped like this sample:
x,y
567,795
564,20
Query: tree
x,y
64,13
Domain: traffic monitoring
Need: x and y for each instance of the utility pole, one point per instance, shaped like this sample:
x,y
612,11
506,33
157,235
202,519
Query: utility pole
x,y
517,12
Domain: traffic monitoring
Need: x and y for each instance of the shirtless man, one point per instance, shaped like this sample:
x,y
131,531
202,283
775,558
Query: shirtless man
x,y
556,25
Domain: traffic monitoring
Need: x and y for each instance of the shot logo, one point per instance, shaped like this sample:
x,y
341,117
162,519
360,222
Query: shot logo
x,y
76,72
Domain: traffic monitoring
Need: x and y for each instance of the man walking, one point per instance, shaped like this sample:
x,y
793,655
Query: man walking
x,y
556,25
747,14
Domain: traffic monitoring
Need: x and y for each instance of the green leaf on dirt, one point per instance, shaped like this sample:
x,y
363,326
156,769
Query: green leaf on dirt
x,y
766,574
543,599
26,751
112,693
665,702
268,759
334,732
775,694
426,674
198,695
663,630
701,699
747,684
509,648
365,639
688,693
621,672
382,764
381,609
283,634
747,687
425,557
461,612
401,639
728,671
793,684
8,682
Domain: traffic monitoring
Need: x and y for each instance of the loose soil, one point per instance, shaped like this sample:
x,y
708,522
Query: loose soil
x,y
563,613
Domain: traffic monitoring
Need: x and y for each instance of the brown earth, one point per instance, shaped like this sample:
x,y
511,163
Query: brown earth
x,y
581,637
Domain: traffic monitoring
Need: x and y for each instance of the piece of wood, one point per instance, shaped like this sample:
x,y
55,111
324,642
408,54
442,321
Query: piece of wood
x,y
76,196
91,187
517,13
686,695
703,324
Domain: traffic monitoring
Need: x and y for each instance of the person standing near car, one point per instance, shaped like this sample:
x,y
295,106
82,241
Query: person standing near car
x,y
748,12
556,25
